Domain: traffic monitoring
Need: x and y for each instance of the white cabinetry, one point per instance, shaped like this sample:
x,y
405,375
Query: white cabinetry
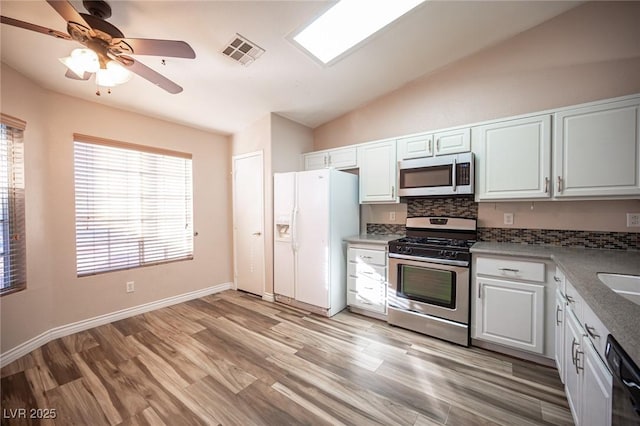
x,y
415,146
341,158
559,322
378,172
588,381
453,141
510,303
513,159
367,278
597,150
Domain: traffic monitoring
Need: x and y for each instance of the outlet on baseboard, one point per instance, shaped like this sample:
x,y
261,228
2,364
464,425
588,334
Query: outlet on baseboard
x,y
633,219
392,216
131,286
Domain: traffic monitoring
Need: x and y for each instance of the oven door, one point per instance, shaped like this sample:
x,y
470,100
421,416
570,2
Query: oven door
x,y
429,288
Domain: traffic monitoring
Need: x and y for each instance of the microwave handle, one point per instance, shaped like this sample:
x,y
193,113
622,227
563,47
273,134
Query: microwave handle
x,y
454,173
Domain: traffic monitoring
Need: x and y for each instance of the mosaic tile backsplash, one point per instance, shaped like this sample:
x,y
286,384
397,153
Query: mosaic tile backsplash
x,y
464,207
563,238
468,208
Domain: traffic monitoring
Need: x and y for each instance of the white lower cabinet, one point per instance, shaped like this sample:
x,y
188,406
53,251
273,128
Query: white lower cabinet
x,y
511,313
367,278
559,320
510,300
588,381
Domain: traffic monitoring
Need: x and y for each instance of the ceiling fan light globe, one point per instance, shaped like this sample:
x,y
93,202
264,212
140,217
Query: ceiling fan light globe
x,y
113,75
74,67
85,59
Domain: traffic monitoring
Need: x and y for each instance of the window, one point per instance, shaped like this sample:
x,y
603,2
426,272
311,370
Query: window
x,y
133,206
12,243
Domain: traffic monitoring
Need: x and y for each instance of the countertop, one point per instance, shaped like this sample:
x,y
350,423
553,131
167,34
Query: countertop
x,y
580,266
373,239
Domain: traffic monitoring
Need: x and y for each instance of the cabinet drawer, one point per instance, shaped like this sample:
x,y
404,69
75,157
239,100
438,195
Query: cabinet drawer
x,y
559,279
596,331
374,272
511,269
575,303
373,303
374,257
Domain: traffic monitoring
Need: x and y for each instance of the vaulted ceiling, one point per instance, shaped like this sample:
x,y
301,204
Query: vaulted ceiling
x,y
223,96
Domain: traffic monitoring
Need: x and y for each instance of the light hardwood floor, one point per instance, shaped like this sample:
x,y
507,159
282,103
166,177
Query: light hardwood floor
x,y
233,359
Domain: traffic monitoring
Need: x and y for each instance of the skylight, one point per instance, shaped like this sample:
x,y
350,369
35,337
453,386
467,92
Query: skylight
x,y
348,23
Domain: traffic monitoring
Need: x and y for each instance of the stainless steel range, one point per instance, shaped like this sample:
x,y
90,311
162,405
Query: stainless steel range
x,y
429,277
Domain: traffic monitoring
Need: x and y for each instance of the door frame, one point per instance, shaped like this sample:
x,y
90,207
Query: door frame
x,y
234,200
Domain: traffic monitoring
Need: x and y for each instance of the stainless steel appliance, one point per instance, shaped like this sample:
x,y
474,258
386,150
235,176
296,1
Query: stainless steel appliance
x,y
442,175
626,385
429,277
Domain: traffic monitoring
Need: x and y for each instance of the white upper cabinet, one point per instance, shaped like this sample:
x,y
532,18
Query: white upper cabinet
x,y
415,147
340,158
597,150
453,141
378,177
513,159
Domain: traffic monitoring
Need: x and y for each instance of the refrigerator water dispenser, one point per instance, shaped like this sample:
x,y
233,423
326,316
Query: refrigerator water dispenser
x,y
283,228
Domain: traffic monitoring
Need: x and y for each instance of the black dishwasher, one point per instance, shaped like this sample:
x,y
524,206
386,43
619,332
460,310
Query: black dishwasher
x,y
626,385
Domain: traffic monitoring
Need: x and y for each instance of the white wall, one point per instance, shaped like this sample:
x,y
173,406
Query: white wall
x,y
54,295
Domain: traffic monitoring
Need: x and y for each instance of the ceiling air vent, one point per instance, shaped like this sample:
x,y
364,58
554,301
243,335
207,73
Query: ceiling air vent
x,y
242,50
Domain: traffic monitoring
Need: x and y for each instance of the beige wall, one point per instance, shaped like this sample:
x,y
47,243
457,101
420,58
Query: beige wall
x,y
282,142
589,53
54,295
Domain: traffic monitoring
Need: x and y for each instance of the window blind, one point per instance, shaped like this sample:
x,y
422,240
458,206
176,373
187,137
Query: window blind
x,y
133,206
12,216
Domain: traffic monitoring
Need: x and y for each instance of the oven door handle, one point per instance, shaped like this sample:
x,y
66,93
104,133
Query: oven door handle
x,y
427,260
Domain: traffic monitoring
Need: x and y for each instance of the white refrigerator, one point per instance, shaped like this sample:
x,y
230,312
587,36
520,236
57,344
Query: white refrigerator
x,y
313,212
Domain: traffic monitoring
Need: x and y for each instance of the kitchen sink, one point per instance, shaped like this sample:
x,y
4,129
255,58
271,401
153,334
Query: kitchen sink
x,y
625,285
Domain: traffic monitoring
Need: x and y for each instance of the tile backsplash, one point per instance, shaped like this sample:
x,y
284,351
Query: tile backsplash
x,y
466,207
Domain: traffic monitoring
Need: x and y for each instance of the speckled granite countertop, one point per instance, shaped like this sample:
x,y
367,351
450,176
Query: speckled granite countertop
x,y
373,239
580,266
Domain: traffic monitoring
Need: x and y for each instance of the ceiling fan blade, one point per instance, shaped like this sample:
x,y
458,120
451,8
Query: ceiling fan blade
x,y
143,46
149,74
67,11
34,27
72,75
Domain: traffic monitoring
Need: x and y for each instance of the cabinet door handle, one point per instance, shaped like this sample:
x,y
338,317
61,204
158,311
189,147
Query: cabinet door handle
x,y
559,184
329,159
591,331
438,145
393,191
556,279
325,160
509,270
546,185
570,299
430,146
578,366
574,357
479,291
558,310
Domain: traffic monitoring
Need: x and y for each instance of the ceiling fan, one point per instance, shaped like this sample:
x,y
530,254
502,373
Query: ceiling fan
x,y
108,42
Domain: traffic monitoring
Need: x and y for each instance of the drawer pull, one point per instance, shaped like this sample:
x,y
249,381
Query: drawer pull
x,y
368,288
591,331
558,310
509,270
556,279
366,257
570,299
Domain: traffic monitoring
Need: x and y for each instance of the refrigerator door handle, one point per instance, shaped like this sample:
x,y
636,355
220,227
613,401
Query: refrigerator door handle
x,y
294,229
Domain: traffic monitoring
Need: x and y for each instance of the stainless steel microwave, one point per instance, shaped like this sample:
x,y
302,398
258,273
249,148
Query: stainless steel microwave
x,y
436,176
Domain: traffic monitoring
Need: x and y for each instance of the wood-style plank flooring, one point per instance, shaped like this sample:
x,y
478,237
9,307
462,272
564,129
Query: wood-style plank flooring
x,y
232,359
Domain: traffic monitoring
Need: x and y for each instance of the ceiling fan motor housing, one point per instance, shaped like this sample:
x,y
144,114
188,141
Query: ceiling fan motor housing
x,y
99,9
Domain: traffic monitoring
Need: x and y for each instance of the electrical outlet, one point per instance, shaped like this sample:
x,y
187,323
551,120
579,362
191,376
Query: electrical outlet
x,y
508,218
392,216
633,219
131,286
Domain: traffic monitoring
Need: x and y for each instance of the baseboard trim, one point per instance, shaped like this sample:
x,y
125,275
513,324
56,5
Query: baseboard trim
x,y
64,330
268,297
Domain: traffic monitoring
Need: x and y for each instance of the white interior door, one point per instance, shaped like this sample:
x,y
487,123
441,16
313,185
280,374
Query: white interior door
x,y
248,223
